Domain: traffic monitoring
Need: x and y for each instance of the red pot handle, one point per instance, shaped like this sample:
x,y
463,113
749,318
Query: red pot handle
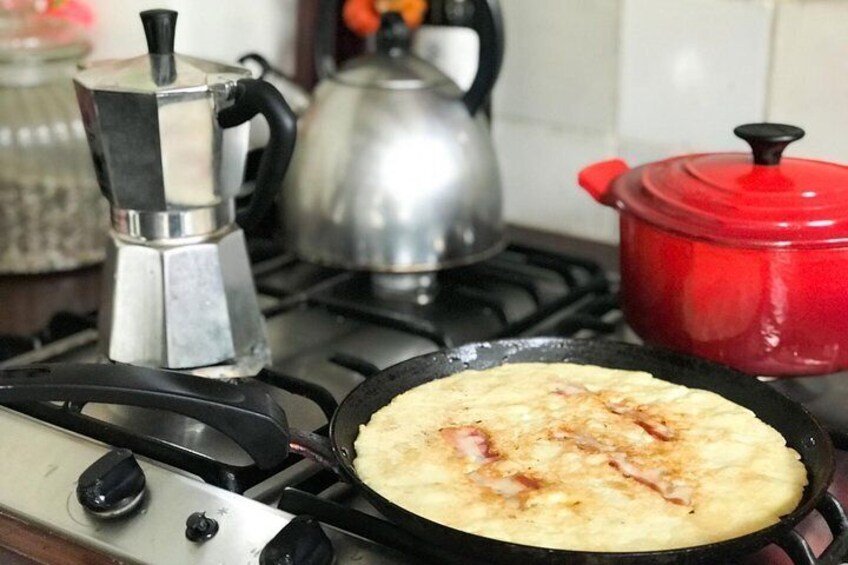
x,y
597,179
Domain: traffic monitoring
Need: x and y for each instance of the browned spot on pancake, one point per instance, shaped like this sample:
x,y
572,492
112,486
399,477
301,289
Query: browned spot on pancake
x,y
642,416
653,424
659,464
660,432
583,441
528,481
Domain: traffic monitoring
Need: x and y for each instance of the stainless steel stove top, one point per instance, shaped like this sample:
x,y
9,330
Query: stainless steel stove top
x,y
328,329
825,396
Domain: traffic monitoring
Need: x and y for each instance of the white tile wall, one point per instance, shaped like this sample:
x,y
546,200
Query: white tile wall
x,y
647,79
221,30
809,85
560,63
638,151
539,166
692,70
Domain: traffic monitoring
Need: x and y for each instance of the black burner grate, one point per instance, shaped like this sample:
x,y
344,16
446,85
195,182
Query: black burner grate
x,y
520,292
62,325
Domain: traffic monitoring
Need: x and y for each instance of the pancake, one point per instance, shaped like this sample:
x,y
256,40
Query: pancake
x,y
579,457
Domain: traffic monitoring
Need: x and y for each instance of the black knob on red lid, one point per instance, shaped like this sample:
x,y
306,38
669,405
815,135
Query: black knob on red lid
x,y
768,141
159,28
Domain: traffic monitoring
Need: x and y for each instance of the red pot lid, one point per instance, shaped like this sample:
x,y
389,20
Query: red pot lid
x,y
741,199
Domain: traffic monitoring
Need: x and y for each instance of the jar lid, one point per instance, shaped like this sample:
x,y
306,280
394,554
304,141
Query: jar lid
x,y
741,199
27,35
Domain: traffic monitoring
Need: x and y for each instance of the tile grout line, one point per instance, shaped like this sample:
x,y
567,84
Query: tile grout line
x,y
619,48
771,65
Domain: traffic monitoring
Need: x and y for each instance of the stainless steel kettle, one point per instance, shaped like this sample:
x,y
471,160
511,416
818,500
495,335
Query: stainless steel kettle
x,y
394,168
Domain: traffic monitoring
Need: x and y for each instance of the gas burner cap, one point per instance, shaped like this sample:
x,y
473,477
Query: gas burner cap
x,y
417,288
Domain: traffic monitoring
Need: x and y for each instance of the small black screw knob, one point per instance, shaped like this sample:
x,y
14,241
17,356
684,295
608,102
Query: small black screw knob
x,y
112,486
200,528
159,29
768,141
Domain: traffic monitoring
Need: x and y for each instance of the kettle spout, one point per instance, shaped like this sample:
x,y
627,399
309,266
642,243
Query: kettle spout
x,y
597,179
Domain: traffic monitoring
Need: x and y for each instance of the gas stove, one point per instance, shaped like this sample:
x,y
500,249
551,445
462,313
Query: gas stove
x,y
329,330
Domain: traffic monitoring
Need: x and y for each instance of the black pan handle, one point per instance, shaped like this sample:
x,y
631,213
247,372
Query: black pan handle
x,y
797,548
315,447
324,46
366,526
253,97
247,416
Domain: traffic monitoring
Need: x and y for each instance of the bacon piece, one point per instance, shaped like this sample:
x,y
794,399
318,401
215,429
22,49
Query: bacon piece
x,y
570,389
675,493
509,487
656,428
471,442
584,442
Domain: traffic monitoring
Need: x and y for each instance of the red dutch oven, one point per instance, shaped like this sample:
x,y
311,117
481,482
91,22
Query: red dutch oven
x,y
736,258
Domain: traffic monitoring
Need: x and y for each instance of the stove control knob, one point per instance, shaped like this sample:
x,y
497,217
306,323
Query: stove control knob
x,y
301,541
112,486
200,527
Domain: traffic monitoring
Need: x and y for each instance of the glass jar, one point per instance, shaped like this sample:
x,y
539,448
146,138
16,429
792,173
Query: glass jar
x,y
52,217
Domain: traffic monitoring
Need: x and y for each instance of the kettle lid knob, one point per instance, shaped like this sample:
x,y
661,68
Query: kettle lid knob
x,y
394,37
159,28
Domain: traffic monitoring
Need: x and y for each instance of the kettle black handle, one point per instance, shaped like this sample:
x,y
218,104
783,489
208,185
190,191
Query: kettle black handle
x,y
487,21
324,45
259,97
249,417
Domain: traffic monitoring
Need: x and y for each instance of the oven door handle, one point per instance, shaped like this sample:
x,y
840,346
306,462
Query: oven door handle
x,y
246,415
